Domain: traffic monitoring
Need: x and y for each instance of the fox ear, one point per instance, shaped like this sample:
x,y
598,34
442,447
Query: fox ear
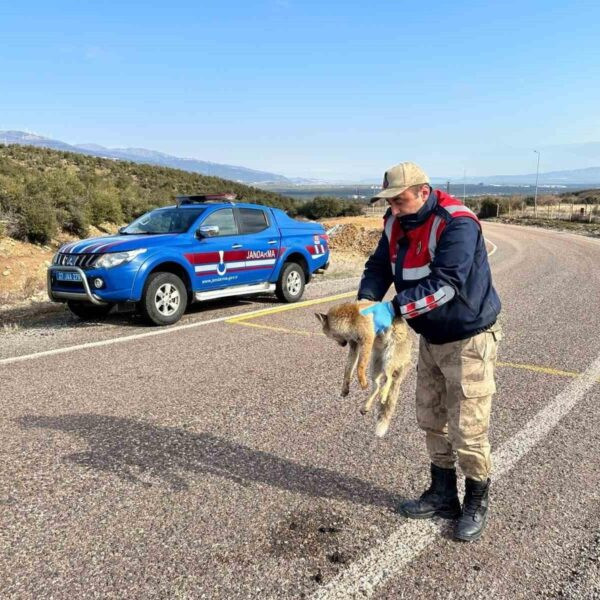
x,y
322,317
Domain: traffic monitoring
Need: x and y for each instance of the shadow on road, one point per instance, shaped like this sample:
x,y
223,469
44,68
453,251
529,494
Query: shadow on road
x,y
57,316
128,448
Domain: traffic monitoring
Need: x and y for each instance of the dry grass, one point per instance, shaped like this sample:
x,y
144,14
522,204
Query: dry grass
x,y
32,286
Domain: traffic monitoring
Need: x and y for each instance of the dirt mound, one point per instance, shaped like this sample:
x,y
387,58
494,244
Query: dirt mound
x,y
352,238
22,270
370,221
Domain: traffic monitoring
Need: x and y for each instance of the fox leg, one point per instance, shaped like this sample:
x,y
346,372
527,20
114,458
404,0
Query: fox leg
x,y
369,403
350,368
364,356
389,380
389,401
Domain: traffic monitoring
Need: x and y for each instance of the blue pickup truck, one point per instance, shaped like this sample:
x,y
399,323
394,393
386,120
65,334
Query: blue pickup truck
x,y
202,248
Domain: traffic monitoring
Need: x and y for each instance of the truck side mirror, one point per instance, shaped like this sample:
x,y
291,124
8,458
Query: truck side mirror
x,y
207,231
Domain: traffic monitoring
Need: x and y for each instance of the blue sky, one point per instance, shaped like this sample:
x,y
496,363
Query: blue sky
x,y
335,90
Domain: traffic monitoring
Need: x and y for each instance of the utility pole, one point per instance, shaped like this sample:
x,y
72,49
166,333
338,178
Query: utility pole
x,y
537,175
464,185
447,187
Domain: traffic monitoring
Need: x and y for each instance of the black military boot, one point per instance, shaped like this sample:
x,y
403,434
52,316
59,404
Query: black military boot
x,y
440,500
475,511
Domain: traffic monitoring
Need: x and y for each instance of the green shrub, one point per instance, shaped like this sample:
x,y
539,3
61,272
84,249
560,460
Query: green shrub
x,y
352,209
104,206
473,204
491,207
38,221
133,205
78,222
74,219
11,193
324,207
63,188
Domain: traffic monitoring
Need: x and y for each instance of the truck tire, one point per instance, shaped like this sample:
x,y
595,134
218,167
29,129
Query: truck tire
x,y
86,311
290,285
164,299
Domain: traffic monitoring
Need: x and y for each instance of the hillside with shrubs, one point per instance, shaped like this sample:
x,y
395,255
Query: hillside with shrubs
x,y
44,192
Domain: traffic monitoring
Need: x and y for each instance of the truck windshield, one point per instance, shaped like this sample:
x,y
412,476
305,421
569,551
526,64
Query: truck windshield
x,y
164,220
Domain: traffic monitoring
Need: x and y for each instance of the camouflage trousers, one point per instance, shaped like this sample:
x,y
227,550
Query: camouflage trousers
x,y
455,383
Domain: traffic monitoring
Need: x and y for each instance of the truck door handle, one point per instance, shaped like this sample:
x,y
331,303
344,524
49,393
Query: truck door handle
x,y
236,246
272,241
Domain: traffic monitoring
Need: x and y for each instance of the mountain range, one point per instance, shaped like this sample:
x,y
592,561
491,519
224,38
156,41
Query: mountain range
x,y
587,176
142,155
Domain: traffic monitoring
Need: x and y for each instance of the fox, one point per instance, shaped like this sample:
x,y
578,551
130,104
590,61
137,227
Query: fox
x,y
388,354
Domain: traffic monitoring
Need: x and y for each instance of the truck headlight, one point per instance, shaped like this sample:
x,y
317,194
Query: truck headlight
x,y
114,259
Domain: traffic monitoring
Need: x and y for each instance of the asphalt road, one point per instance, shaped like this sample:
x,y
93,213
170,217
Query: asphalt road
x,y
217,459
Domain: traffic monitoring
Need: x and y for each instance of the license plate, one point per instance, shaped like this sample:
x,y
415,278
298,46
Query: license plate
x,y
67,276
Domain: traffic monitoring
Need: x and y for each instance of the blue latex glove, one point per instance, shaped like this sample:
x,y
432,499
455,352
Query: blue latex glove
x,y
383,313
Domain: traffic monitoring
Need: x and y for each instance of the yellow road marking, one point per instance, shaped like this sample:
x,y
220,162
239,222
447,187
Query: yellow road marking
x,y
243,320
510,365
278,329
278,309
538,369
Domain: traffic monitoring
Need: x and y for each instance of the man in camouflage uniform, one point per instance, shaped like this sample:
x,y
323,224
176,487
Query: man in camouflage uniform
x,y
433,250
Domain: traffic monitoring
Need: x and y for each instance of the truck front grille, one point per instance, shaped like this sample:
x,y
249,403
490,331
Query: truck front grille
x,y
83,261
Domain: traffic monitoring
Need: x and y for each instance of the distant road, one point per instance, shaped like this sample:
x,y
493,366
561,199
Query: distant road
x,y
217,459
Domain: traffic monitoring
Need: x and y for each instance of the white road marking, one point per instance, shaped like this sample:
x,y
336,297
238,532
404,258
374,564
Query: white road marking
x,y
386,560
494,247
110,341
162,331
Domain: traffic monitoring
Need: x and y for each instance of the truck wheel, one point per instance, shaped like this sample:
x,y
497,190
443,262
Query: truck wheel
x,y
87,311
290,285
164,299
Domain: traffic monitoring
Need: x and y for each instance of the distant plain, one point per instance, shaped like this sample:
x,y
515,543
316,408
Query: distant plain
x,y
363,192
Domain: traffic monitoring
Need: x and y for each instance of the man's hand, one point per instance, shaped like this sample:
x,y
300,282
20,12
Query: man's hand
x,y
383,313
